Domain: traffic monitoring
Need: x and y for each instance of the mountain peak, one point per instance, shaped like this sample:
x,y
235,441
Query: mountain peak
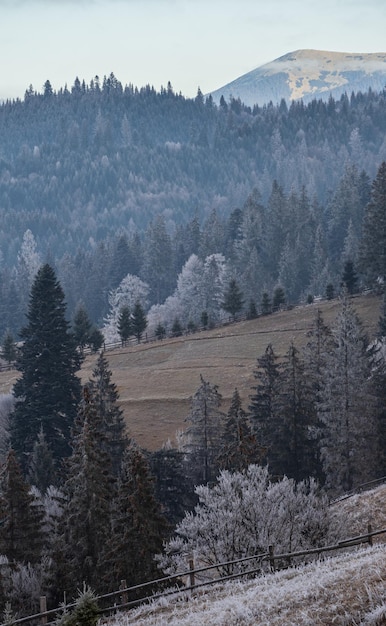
x,y
308,74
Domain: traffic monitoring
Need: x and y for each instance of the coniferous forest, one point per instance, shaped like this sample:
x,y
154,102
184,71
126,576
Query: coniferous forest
x,y
102,181
123,210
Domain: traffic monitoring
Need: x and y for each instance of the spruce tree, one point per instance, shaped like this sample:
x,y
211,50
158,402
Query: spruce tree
x,y
8,348
81,327
372,252
41,471
21,518
348,407
105,398
138,527
233,299
89,491
294,449
350,277
48,390
124,325
204,434
263,406
139,321
240,447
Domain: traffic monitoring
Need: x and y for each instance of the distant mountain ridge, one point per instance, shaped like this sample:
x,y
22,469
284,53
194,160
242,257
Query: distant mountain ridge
x,y
307,74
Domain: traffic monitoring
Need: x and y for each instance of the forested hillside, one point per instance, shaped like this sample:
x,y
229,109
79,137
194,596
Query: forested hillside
x,y
103,180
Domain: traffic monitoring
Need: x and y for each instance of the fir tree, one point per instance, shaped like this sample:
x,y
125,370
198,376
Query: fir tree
x,y
48,390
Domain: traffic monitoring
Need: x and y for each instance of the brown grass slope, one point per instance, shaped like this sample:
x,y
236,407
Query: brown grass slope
x,y
156,380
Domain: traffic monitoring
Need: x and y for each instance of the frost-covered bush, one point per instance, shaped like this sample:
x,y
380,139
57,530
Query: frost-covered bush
x,y
242,515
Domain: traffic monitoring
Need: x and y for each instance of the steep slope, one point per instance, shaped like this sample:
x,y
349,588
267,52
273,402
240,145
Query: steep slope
x,y
308,74
347,588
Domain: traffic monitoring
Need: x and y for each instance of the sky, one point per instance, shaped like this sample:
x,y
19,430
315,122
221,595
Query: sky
x,y
191,43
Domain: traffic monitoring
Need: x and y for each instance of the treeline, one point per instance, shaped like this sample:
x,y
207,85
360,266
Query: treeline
x,y
290,242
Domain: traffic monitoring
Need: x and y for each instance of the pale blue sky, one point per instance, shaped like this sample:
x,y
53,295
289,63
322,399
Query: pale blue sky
x,y
192,43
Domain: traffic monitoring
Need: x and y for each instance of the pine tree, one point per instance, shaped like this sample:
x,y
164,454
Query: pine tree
x,y
233,299
48,389
139,321
124,325
105,398
20,516
138,527
347,407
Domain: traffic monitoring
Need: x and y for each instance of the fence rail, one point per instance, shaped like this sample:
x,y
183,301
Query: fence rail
x,y
122,594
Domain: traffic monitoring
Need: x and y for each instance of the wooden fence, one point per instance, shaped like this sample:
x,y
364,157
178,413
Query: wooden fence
x,y
119,600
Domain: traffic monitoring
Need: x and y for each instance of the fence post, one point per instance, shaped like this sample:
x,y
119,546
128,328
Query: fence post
x,y
43,608
122,588
191,572
369,537
271,558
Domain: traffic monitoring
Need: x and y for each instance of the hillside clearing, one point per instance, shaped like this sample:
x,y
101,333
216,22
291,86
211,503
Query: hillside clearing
x,y
156,380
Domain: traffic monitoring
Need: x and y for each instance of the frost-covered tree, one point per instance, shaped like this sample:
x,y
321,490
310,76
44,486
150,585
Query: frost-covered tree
x,y
347,407
28,259
244,513
130,291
